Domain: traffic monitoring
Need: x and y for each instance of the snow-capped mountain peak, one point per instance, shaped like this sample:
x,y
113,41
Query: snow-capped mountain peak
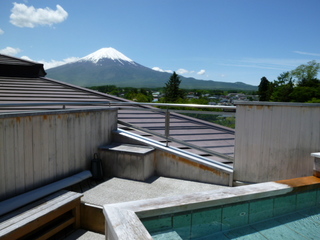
x,y
109,53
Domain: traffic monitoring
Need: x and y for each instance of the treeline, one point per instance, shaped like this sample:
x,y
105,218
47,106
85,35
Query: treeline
x,y
298,85
172,93
148,94
130,93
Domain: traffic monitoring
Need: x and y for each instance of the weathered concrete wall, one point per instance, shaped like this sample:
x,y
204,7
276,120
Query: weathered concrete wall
x,y
134,162
171,163
274,140
39,148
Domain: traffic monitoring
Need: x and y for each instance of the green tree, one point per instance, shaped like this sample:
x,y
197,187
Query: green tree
x,y
282,88
306,72
304,94
314,100
172,92
308,86
298,85
140,97
263,89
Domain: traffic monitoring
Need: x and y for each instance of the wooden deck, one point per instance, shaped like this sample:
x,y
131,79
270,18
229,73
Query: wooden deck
x,y
44,218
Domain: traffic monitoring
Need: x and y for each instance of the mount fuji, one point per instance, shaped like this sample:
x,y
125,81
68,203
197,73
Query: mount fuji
x,y
108,66
109,53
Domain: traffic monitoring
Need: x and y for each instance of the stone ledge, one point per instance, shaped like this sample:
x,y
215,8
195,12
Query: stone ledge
x,y
128,148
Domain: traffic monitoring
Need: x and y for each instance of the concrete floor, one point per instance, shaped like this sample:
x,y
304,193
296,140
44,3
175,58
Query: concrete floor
x,y
117,190
85,235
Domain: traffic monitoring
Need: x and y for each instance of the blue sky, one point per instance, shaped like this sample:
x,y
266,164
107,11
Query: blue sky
x,y
220,40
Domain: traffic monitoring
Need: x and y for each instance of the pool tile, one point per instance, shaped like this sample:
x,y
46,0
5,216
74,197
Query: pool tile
x,y
284,204
206,222
182,225
158,224
273,229
260,210
168,235
298,222
306,199
215,236
244,233
235,216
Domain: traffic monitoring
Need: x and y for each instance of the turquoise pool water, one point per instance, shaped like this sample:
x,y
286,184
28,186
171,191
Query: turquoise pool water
x,y
293,216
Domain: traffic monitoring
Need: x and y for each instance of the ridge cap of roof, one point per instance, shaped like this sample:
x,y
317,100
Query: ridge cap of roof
x,y
20,59
24,68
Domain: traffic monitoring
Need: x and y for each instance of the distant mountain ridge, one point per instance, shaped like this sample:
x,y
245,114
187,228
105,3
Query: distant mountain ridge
x,y
108,66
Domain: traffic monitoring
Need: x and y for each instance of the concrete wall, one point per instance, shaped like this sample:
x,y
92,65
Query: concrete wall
x,y
171,165
274,140
129,161
170,162
39,148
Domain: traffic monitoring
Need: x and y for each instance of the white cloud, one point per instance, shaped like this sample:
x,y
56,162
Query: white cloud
x,y
26,58
182,71
266,63
161,70
201,72
54,63
10,51
24,16
1,31
252,66
275,62
307,53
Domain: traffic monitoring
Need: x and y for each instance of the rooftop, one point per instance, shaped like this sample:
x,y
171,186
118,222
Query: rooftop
x,y
51,131
116,190
49,94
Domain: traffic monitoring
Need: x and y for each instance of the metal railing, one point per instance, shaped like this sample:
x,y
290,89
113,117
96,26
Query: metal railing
x,y
165,110
112,103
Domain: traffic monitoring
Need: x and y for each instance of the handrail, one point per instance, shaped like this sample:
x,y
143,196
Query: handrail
x,y
168,139
167,123
179,105
117,103
166,111
53,104
178,111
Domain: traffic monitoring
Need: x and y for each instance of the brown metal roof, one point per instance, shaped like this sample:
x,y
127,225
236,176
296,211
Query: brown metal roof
x,y
21,90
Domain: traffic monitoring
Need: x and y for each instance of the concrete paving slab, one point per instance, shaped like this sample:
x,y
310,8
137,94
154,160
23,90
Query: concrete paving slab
x,y
118,190
82,234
